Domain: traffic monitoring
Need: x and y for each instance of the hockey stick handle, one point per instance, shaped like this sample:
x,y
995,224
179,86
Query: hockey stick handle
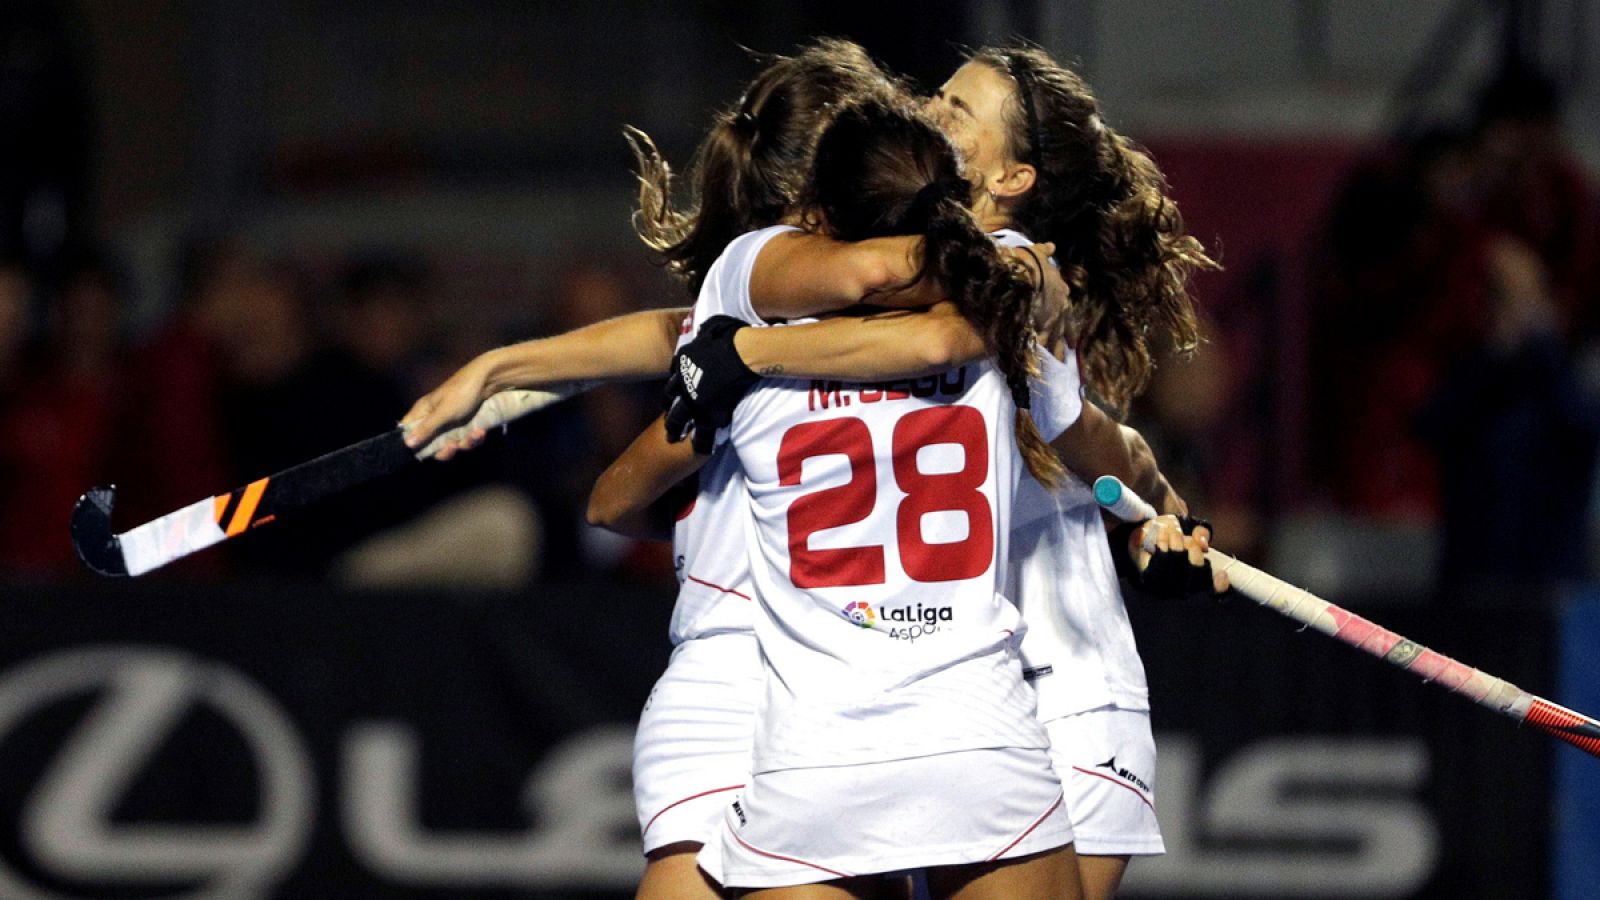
x,y
1371,638
502,408
376,456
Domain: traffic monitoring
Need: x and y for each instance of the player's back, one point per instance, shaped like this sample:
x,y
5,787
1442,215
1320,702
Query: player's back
x,y
878,514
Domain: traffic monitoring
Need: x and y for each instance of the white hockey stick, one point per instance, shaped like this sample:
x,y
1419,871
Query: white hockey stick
x,y
1335,621
215,519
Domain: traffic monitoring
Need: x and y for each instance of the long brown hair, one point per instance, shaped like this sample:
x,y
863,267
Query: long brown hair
x,y
883,169
750,166
1119,237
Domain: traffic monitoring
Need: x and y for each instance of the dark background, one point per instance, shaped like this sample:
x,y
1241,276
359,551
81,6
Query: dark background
x,y
237,235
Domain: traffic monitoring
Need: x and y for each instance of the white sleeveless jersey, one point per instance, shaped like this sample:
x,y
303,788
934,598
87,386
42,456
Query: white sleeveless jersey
x,y
715,594
879,513
1079,648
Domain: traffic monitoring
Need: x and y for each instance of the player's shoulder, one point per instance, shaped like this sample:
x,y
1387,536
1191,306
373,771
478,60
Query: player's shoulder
x,y
726,289
742,250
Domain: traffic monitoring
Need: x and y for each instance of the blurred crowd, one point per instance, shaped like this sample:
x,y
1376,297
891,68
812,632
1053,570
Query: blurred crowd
x,y
1426,370
1455,318
261,365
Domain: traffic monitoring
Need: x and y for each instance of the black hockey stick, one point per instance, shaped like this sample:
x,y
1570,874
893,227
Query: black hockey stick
x,y
216,519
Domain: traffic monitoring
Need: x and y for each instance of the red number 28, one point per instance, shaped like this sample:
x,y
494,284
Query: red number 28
x,y
925,493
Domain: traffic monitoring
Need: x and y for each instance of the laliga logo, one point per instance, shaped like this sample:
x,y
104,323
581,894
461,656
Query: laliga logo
x,y
67,825
860,612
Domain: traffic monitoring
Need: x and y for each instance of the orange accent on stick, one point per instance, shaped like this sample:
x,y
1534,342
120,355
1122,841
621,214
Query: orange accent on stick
x,y
247,507
222,505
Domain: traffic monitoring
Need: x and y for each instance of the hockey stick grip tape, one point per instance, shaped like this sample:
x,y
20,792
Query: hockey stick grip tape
x,y
500,409
1369,637
1431,666
1314,612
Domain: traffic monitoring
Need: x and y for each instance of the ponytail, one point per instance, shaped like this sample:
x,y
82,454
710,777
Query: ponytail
x,y
730,200
749,168
995,294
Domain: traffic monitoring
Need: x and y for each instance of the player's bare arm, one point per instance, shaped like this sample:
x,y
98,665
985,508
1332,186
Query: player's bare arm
x,y
895,344
1097,444
803,274
625,491
892,344
635,346
1147,474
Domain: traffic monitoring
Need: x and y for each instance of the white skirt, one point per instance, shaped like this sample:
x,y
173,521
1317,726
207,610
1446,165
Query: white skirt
x,y
1107,761
800,826
691,754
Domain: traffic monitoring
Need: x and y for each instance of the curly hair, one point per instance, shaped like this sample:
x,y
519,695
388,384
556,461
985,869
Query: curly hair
x,y
883,169
748,170
1119,237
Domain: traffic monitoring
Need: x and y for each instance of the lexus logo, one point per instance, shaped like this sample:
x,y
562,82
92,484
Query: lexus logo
x,y
142,695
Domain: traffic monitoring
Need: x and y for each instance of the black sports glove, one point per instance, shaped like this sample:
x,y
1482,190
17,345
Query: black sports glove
x,y
1168,575
706,382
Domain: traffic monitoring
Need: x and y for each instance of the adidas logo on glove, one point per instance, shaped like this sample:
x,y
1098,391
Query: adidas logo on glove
x,y
691,376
